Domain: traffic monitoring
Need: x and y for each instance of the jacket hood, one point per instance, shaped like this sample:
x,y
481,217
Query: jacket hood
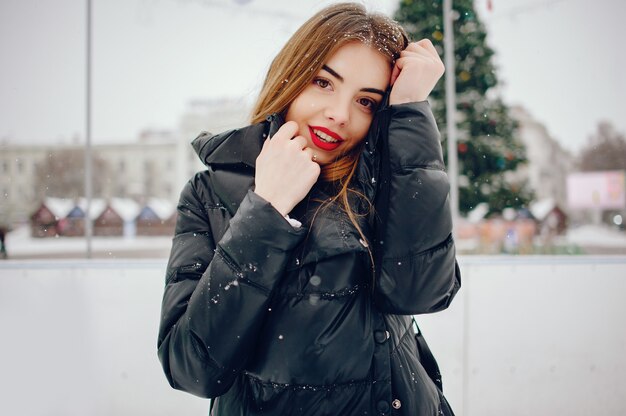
x,y
235,147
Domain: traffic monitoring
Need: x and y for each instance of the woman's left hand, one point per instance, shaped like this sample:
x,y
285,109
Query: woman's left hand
x,y
415,73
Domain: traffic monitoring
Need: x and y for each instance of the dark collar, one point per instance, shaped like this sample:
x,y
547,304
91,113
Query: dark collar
x,y
235,147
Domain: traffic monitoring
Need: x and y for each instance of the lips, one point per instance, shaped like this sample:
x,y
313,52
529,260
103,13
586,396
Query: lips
x,y
325,139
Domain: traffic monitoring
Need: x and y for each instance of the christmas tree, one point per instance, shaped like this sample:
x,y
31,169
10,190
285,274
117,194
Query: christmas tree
x,y
488,148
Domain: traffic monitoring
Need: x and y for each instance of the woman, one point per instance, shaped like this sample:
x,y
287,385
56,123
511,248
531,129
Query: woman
x,y
305,247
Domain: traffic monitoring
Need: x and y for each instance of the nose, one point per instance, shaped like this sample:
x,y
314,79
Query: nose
x,y
338,110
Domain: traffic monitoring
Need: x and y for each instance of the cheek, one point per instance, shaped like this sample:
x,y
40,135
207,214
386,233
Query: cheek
x,y
361,127
312,103
301,107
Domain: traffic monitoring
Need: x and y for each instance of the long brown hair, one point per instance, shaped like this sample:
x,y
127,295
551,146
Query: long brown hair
x,y
302,57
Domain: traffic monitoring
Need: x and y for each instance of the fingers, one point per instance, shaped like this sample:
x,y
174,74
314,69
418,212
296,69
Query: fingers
x,y
394,73
286,131
287,134
285,141
424,48
428,45
423,43
310,154
417,59
415,73
422,51
421,57
285,169
266,144
299,141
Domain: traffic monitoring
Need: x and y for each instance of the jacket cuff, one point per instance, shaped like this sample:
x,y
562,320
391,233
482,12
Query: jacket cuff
x,y
414,106
260,238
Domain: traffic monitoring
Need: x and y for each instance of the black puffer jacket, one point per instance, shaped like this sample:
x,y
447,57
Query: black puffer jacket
x,y
274,320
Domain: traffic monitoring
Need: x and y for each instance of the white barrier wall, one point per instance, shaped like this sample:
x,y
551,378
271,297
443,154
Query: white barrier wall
x,y
535,336
79,339
525,336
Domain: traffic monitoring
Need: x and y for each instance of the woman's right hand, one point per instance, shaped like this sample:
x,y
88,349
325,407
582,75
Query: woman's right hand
x,y
285,170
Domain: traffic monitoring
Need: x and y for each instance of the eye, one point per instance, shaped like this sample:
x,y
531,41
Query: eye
x,y
368,103
321,82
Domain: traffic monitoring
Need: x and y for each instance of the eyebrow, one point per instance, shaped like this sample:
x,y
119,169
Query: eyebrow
x,y
340,78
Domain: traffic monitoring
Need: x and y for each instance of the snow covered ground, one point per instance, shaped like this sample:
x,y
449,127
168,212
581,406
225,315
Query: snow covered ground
x,y
596,236
591,239
20,245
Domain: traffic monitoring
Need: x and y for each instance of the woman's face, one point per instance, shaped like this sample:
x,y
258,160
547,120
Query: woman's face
x,y
335,111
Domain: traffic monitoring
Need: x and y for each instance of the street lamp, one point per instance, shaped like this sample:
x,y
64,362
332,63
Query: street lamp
x,y
453,174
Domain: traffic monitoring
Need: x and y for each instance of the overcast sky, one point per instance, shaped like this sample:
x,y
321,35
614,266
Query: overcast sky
x,y
561,59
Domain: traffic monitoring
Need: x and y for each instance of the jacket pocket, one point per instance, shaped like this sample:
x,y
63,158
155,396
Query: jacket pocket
x,y
188,272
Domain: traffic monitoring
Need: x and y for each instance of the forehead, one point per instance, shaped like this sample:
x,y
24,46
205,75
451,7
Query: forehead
x,y
361,65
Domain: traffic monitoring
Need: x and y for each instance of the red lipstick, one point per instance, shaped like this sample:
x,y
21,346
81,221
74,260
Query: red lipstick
x,y
324,144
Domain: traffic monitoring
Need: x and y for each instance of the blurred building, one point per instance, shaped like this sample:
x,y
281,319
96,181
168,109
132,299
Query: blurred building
x,y
548,163
138,170
155,165
115,217
210,115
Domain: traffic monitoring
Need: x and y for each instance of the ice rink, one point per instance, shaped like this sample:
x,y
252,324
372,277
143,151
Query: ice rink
x,y
527,335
